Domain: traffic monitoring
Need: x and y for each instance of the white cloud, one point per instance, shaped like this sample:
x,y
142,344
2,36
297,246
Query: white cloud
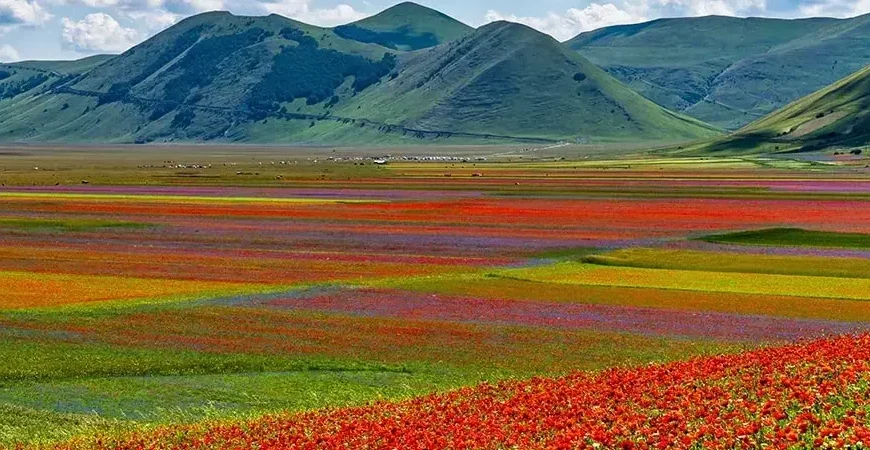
x,y
713,7
147,16
574,21
150,6
8,53
835,8
153,21
192,6
206,5
101,32
157,15
97,32
302,10
98,3
339,15
22,12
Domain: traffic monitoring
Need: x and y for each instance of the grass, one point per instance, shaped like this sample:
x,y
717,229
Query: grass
x,y
19,424
793,237
573,254
45,290
549,288
695,280
836,112
51,390
192,398
313,339
720,261
317,304
306,168
168,199
833,117
67,225
71,384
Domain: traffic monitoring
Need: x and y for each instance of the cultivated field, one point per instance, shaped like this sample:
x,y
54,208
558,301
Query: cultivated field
x,y
207,300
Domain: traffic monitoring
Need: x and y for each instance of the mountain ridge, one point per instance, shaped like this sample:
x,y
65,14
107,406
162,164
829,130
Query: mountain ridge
x,y
835,117
221,77
729,71
405,26
469,81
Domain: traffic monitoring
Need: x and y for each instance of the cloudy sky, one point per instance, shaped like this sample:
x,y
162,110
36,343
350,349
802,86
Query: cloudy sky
x,y
69,29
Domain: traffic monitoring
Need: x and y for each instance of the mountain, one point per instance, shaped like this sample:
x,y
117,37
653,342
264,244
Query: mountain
x,y
78,66
729,71
837,116
26,76
195,81
506,78
406,26
221,77
19,82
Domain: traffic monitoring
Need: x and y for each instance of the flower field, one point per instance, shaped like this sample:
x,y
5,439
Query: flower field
x,y
812,395
535,306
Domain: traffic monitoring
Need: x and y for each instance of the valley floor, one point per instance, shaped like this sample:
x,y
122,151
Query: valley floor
x,y
175,291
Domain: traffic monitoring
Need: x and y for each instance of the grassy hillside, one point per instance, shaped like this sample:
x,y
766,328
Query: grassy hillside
x,y
406,26
220,77
21,83
31,77
729,71
78,66
837,116
510,79
198,80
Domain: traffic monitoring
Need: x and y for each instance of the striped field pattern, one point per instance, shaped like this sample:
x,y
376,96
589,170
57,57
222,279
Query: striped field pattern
x,y
534,307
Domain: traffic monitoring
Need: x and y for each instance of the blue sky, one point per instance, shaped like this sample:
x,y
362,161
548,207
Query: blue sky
x,y
70,29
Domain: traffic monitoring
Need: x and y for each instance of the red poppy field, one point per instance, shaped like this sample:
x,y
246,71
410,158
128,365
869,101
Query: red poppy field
x,y
508,305
812,395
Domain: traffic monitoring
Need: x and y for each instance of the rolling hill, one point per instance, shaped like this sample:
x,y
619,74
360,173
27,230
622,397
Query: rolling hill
x,y
729,71
27,76
506,78
220,77
837,116
195,81
79,66
406,26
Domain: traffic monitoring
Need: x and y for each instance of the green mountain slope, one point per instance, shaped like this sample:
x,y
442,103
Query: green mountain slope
x,y
837,116
729,71
78,66
21,82
220,77
197,81
406,26
506,78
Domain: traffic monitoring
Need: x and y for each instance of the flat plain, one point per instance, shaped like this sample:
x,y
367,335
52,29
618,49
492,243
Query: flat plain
x,y
211,298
